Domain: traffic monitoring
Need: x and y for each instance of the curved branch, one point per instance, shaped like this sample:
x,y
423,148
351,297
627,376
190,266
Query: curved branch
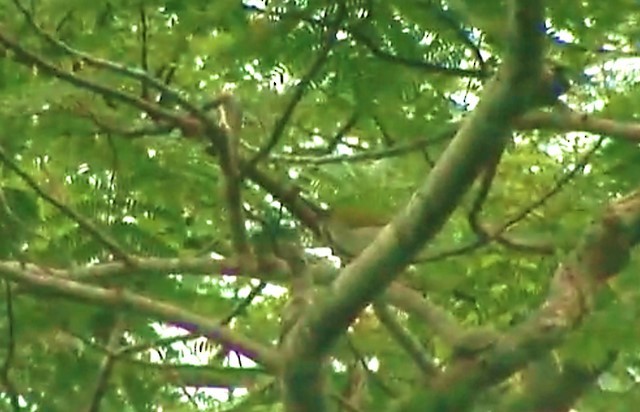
x,y
563,120
137,74
425,66
555,189
191,126
473,217
601,254
555,387
487,233
118,299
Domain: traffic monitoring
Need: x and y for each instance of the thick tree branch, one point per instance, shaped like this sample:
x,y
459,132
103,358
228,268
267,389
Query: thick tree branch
x,y
485,133
561,120
603,251
550,386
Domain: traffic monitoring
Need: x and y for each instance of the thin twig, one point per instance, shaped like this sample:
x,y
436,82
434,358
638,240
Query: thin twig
x,y
407,342
555,189
11,347
137,74
144,51
104,374
412,63
32,59
298,93
394,151
342,131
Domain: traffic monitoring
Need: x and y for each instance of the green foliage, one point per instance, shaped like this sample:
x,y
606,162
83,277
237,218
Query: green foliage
x,y
394,69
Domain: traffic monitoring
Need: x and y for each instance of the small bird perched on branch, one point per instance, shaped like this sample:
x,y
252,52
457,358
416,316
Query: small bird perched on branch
x,y
554,83
351,228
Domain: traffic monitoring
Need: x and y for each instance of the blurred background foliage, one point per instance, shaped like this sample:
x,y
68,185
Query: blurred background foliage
x,y
395,72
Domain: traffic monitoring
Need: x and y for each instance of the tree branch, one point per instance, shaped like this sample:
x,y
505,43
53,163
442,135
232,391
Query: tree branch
x,y
10,337
553,387
191,126
138,74
406,341
84,223
117,299
602,252
485,133
562,120
298,93
106,368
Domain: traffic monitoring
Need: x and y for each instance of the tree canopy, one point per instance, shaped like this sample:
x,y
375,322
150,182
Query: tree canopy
x,y
287,205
